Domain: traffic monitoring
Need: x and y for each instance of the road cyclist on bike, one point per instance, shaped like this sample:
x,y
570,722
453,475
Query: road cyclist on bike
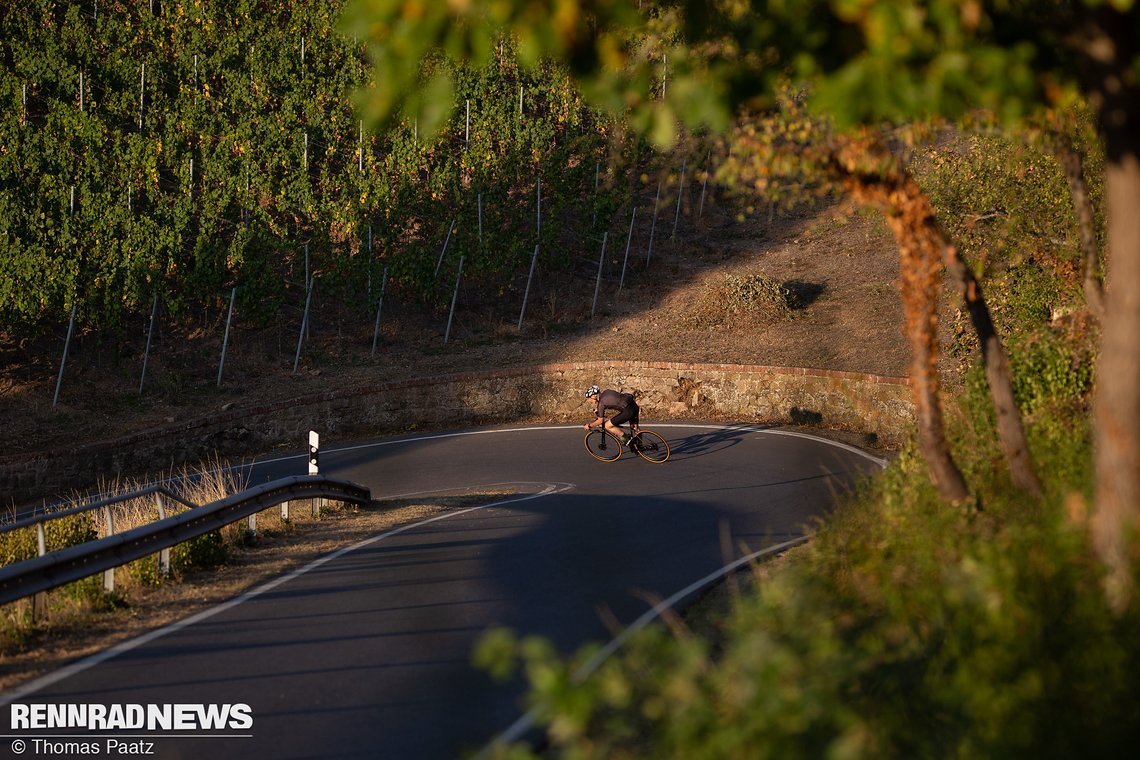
x,y
625,406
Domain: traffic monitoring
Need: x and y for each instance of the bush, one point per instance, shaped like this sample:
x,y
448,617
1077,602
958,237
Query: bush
x,y
22,544
750,297
1048,371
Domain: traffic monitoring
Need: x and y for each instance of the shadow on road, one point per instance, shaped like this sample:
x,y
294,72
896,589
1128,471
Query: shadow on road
x,y
712,442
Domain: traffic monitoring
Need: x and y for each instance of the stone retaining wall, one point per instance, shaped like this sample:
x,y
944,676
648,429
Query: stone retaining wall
x,y
665,390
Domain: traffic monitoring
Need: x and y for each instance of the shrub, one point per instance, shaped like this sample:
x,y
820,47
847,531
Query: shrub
x,y
753,297
22,544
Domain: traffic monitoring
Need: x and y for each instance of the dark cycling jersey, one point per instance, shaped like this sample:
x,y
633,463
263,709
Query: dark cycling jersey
x,y
609,399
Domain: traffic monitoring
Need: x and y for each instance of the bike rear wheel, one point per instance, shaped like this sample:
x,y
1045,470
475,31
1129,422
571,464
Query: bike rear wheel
x,y
603,445
650,446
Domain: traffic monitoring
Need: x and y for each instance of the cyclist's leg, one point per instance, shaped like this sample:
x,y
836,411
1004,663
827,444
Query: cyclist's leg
x,y
620,419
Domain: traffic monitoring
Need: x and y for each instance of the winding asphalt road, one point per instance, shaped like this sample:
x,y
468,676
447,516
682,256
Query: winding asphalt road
x,y
366,653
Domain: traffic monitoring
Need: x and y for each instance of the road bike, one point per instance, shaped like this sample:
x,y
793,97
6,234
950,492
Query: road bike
x,y
604,445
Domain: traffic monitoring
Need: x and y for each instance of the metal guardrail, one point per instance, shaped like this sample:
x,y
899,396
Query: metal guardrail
x,y
41,517
72,563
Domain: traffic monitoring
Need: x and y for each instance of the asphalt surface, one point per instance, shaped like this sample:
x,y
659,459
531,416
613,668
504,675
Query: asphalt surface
x,y
367,653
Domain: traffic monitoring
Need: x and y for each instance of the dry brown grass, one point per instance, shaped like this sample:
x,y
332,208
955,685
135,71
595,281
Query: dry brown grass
x,y
754,298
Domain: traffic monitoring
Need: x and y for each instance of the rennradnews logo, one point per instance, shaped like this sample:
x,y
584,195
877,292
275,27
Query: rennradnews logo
x,y
131,717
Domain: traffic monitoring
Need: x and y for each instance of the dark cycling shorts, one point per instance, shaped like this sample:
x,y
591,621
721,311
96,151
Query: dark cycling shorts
x,y
630,414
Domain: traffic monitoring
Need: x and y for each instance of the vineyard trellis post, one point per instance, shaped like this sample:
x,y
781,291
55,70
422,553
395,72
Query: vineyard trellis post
x,y
304,326
526,293
308,286
226,339
653,226
594,218
379,308
443,251
680,196
628,240
149,338
63,359
598,282
704,186
454,298
142,93
368,268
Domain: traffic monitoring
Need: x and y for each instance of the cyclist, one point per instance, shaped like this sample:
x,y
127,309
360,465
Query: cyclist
x,y
623,403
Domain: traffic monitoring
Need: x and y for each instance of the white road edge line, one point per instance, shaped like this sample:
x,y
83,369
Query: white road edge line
x,y
517,729
79,666
704,426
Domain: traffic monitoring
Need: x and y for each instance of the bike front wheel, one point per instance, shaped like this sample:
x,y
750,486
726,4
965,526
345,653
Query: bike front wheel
x,y
603,445
650,446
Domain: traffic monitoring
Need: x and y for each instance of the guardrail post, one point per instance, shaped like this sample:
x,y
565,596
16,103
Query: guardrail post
x,y
251,526
39,601
284,510
109,575
163,555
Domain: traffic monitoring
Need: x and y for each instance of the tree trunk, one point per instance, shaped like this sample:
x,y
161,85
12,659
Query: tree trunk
x,y
923,228
1071,166
1109,51
1010,429
921,279
1117,399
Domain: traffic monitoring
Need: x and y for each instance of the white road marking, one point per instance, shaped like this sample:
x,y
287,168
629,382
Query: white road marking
x,y
495,431
525,723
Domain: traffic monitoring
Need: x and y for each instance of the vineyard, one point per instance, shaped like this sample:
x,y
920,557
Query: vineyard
x,y
173,157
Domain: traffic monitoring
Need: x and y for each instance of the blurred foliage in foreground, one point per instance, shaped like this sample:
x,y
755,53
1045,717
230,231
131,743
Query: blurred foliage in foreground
x,y
904,629
907,628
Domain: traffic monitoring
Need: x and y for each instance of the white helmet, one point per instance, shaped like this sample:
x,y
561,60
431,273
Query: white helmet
x,y
592,391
